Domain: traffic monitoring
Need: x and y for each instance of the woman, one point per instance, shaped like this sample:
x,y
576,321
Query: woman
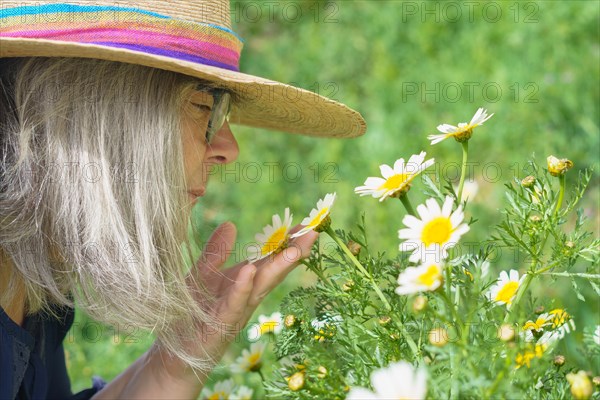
x,y
111,116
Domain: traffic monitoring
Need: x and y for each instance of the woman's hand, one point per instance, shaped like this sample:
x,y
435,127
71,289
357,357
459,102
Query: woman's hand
x,y
237,290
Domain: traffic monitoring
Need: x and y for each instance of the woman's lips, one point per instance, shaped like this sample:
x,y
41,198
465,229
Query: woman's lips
x,y
197,192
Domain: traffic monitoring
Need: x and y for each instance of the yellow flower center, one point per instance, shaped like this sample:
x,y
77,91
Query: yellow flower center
x,y
537,325
217,396
268,326
254,362
395,182
437,231
316,220
430,276
275,241
507,292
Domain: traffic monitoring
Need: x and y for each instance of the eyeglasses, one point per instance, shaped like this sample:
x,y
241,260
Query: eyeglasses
x,y
219,113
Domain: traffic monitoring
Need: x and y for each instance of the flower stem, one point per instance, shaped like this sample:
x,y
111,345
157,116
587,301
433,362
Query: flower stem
x,y
316,272
261,375
463,171
561,194
407,205
358,265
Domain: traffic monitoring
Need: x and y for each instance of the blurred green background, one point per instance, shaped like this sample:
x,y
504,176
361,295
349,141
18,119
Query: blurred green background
x,y
406,66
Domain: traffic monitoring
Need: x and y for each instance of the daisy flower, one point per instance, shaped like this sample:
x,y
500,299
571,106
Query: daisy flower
x,y
538,325
273,239
266,324
397,381
318,217
505,290
436,231
463,131
243,393
250,360
561,321
221,391
425,277
396,180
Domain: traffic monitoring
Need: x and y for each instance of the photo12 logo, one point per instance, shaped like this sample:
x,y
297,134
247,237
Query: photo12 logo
x,y
470,11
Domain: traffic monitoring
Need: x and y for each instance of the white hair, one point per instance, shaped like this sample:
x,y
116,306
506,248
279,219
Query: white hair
x,y
93,194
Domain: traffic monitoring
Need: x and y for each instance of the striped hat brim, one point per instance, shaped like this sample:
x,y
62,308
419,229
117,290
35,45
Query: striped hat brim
x,y
205,51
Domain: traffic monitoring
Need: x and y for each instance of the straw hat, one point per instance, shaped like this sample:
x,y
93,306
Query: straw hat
x,y
191,37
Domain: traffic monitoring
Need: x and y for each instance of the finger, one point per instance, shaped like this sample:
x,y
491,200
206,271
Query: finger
x,y
270,274
217,250
234,307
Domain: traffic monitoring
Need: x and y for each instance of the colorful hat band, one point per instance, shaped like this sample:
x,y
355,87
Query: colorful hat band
x,y
127,28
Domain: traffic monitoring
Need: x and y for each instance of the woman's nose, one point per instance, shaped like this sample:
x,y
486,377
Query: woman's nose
x,y
223,148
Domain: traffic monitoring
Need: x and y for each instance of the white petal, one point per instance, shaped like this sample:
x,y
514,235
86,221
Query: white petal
x,y
423,212
399,166
446,128
514,275
412,222
435,139
361,394
386,171
434,207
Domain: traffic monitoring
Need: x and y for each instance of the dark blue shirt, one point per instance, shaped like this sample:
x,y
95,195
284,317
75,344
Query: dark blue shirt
x,y
32,358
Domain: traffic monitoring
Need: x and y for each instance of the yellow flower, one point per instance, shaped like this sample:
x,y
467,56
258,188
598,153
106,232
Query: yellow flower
x,y
505,290
436,231
396,181
557,166
221,391
581,386
273,239
250,361
561,321
318,217
537,325
296,381
426,277
438,337
525,358
463,131
266,324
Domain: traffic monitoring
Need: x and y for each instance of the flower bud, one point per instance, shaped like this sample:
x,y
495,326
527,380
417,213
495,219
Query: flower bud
x,y
438,337
596,380
539,310
535,219
557,166
394,336
581,386
506,332
569,244
559,360
322,372
289,321
419,303
384,320
528,181
354,247
296,381
346,287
